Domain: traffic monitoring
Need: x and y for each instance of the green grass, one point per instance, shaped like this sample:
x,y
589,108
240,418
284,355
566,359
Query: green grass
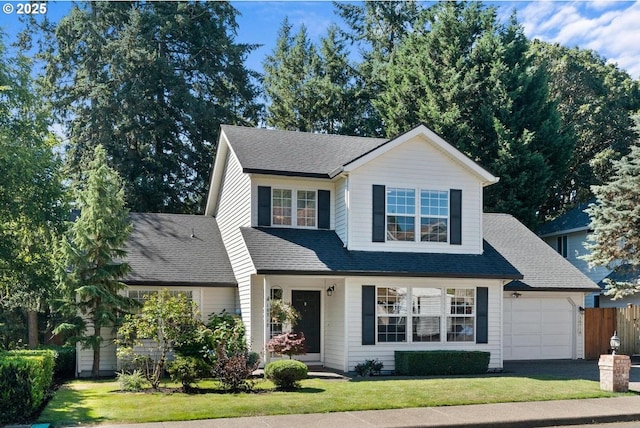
x,y
87,402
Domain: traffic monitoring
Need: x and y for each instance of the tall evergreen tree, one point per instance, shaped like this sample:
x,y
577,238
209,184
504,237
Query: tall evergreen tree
x,y
594,100
377,28
289,72
91,262
473,81
151,82
31,198
615,220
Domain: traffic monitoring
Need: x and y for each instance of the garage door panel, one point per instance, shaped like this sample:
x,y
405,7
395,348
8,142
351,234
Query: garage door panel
x,y
539,328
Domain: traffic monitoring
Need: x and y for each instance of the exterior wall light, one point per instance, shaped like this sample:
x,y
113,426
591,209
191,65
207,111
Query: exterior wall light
x,y
614,343
330,290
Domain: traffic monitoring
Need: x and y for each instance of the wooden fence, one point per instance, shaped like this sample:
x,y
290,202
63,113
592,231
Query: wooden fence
x,y
600,324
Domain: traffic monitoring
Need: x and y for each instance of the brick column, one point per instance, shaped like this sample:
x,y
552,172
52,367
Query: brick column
x,y
614,372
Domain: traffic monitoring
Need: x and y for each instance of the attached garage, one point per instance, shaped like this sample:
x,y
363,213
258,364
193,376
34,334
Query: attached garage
x,y
539,328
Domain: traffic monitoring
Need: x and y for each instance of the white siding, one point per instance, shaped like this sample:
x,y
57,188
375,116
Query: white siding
x,y
415,164
295,183
341,203
539,325
334,326
357,353
108,361
215,300
233,212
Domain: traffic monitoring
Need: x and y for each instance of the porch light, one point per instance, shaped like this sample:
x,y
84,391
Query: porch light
x,y
330,290
614,343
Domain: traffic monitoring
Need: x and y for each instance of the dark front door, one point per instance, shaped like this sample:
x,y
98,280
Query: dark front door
x,y
308,304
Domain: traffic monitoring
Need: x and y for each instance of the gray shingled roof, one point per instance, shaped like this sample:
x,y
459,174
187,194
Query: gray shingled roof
x,y
295,153
321,252
542,267
575,219
161,251
623,273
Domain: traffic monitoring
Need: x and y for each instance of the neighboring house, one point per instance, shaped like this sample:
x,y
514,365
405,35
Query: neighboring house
x,y
568,235
380,244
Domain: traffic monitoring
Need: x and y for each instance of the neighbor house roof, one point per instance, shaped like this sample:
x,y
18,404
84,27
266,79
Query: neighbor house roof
x,y
622,273
572,221
541,266
304,154
321,252
177,249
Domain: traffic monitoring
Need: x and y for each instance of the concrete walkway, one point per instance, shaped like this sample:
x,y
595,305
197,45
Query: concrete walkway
x,y
530,414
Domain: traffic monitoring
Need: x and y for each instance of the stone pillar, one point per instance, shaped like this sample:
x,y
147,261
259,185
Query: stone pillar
x,y
614,372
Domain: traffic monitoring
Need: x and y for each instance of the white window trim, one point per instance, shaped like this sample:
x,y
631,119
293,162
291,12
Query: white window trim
x,y
418,215
445,314
294,207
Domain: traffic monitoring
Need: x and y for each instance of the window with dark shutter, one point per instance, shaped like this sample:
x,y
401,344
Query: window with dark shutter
x,y
455,213
379,222
264,206
368,315
324,209
482,315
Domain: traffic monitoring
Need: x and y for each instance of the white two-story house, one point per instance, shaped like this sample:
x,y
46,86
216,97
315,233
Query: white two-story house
x,y
380,244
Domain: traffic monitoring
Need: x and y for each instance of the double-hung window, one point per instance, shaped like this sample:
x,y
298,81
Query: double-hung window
x,y
431,215
461,316
426,304
434,215
391,314
304,201
401,214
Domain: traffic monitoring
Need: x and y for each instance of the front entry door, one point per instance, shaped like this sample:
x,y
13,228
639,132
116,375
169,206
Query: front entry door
x,y
307,303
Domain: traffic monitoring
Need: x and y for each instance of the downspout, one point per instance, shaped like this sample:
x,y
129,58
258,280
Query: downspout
x,y
574,336
265,318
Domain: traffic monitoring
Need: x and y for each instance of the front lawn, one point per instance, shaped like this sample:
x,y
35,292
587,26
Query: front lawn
x,y
86,402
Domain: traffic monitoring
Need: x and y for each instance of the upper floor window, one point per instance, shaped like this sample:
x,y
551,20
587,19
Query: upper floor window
x,y
283,201
401,210
433,215
281,207
562,245
306,214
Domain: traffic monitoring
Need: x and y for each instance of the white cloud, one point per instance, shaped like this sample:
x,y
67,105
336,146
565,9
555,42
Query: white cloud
x,y
610,28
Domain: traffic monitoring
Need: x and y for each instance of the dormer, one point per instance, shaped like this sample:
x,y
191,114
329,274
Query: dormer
x,y
413,193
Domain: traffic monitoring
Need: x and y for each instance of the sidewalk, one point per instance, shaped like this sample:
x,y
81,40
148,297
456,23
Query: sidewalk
x,y
525,415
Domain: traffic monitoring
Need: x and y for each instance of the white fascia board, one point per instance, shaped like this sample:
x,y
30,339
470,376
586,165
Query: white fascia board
x,y
485,177
216,176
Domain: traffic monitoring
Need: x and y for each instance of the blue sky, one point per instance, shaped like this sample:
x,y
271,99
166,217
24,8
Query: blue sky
x,y
610,27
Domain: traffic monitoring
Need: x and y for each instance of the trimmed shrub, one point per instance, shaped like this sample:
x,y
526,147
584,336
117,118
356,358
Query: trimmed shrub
x,y
369,368
65,364
234,371
25,380
286,374
188,370
430,363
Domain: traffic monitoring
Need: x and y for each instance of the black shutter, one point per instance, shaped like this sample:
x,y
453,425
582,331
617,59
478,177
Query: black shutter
x,y
379,213
455,214
368,315
324,209
264,206
482,315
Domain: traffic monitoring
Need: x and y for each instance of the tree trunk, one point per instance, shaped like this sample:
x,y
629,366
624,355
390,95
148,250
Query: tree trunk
x,y
95,369
32,327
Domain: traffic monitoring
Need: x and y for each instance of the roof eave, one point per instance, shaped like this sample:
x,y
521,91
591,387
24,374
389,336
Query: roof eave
x,y
286,173
167,283
402,274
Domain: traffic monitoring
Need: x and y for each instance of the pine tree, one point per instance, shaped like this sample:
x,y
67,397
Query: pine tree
x,y
615,220
151,82
92,256
474,83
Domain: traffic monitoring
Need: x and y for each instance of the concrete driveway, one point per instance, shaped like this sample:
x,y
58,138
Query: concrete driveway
x,y
570,369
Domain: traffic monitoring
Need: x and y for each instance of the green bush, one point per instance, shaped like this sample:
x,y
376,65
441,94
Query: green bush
x,y
132,382
188,370
286,374
369,368
25,381
65,364
429,363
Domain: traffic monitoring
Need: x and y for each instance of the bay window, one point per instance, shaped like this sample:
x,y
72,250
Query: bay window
x,y
460,319
392,314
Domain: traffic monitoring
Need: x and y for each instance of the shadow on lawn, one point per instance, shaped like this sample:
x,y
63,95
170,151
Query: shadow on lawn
x,y
68,409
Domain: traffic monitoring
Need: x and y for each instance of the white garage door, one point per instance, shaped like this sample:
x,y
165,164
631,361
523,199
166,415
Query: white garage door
x,y
538,329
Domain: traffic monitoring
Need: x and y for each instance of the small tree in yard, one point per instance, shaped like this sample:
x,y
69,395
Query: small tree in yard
x,y
90,266
615,220
288,344
165,322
